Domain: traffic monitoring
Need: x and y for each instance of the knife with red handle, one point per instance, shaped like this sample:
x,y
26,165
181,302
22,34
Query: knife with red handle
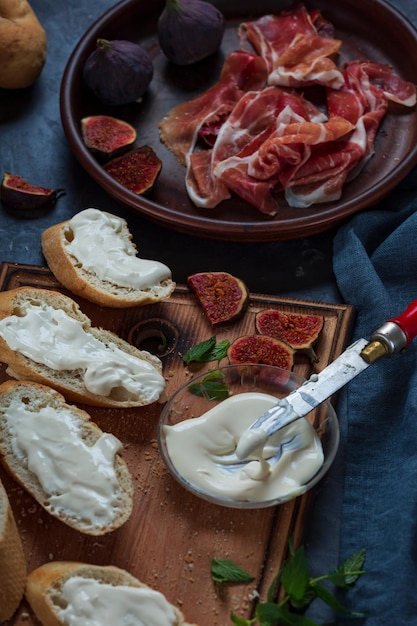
x,y
390,338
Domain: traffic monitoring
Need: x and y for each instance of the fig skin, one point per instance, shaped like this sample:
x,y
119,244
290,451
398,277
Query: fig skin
x,y
18,194
223,297
190,30
261,350
118,72
106,136
300,331
136,170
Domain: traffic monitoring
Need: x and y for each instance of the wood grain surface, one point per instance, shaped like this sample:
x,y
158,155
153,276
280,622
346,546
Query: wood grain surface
x,y
171,536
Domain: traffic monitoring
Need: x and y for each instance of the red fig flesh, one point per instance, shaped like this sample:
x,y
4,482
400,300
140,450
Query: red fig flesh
x,y
19,194
107,136
261,350
223,297
298,330
137,170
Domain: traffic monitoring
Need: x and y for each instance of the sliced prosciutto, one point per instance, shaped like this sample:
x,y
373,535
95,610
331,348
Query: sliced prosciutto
x,y
248,137
179,130
363,101
295,53
251,122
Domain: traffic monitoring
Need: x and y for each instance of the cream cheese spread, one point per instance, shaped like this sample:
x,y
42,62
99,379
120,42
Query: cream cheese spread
x,y
93,603
51,337
94,239
203,451
80,479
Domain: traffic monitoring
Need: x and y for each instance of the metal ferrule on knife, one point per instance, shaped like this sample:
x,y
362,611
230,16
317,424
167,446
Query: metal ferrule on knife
x,y
387,339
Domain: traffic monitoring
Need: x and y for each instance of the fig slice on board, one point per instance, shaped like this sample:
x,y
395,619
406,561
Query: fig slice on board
x,y
19,194
137,170
107,136
261,350
300,331
224,297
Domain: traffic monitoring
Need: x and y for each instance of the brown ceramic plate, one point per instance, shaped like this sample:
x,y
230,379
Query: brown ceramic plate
x,y
370,29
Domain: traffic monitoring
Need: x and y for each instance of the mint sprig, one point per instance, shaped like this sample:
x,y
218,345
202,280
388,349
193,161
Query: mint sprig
x,y
300,588
224,570
211,387
206,351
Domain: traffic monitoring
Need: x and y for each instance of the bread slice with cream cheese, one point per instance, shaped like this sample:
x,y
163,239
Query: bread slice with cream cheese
x,y
53,591
12,560
93,255
63,459
45,337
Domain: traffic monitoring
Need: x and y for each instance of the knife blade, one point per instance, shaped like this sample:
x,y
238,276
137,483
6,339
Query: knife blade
x,y
390,338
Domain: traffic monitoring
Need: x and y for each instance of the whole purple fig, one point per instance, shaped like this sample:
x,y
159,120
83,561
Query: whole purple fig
x,y
118,72
190,30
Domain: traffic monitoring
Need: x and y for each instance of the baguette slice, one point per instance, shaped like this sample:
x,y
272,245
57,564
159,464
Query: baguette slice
x,y
87,281
36,398
12,561
44,588
70,382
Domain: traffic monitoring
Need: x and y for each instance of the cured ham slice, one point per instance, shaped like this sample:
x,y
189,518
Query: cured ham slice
x,y
242,71
363,101
250,123
256,134
295,53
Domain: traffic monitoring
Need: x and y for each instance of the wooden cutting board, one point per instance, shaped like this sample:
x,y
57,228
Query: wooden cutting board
x,y
171,536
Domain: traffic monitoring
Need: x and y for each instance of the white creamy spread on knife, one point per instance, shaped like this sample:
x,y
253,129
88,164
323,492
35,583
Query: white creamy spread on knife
x,y
89,601
203,450
51,337
94,239
80,479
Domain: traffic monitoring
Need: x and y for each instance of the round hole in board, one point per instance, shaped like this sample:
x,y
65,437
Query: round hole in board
x,y
157,336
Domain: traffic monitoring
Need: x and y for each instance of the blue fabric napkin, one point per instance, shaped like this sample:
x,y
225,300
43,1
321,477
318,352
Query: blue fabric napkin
x,y
375,264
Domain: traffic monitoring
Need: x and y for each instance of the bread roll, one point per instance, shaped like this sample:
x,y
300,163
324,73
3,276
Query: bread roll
x,y
93,256
63,459
45,337
48,596
12,561
23,45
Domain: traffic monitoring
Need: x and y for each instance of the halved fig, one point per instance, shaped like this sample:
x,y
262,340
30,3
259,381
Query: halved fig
x,y
137,170
19,194
300,331
107,136
261,350
223,297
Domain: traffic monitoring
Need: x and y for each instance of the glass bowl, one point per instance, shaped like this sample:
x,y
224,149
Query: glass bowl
x,y
202,457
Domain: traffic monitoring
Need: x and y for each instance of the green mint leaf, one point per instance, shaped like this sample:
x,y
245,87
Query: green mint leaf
x,y
326,596
269,614
206,351
226,571
220,350
272,591
211,387
308,597
346,575
199,353
294,575
241,621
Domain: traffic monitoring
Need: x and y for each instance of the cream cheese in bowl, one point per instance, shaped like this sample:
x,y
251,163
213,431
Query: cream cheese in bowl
x,y
198,437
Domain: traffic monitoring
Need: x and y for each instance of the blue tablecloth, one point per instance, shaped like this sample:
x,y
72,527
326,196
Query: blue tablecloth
x,y
375,264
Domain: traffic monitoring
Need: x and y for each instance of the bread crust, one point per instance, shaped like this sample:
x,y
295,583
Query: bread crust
x,y
23,45
12,561
40,395
44,584
69,383
88,285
